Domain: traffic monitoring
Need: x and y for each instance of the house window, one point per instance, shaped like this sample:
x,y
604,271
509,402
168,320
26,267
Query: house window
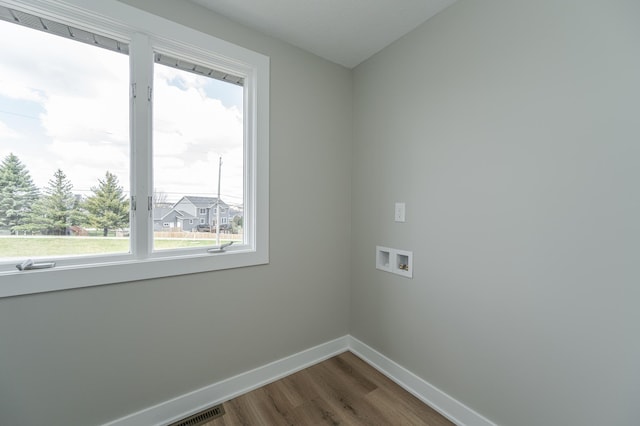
x,y
190,221
166,225
189,106
71,179
223,220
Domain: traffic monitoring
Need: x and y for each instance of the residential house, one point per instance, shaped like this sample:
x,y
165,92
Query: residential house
x,y
189,212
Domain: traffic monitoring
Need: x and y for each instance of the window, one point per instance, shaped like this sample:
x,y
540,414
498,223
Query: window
x,y
68,173
160,122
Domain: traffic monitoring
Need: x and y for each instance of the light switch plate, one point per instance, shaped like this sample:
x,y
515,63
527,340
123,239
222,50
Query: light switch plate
x,y
400,212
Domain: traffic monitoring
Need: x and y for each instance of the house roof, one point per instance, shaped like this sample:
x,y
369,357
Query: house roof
x,y
235,212
201,202
222,203
160,212
185,215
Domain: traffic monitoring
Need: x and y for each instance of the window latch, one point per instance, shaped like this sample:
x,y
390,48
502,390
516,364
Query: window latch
x,y
29,264
219,249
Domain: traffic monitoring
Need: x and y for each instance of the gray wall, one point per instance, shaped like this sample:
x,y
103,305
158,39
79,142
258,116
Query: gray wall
x,y
92,355
512,131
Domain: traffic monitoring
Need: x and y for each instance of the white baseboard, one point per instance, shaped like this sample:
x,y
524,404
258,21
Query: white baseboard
x,y
201,399
449,407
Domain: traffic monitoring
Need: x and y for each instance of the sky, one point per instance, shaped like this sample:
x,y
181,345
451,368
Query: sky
x,y
64,105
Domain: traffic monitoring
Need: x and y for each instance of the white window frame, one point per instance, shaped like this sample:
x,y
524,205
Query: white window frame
x,y
202,211
146,33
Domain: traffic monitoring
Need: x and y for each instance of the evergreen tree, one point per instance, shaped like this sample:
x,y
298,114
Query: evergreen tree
x,y
108,207
17,193
78,214
53,213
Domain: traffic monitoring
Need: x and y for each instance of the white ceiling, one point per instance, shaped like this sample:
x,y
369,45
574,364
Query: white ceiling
x,y
343,31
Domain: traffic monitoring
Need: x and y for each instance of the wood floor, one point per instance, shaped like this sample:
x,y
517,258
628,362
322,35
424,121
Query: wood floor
x,y
342,390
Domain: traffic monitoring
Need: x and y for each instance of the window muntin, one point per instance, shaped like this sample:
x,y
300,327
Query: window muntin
x,y
144,33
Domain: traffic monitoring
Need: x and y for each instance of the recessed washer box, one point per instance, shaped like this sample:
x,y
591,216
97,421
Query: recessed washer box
x,y
383,258
403,263
396,261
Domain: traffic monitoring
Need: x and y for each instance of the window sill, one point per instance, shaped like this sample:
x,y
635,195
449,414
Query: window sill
x,y
17,283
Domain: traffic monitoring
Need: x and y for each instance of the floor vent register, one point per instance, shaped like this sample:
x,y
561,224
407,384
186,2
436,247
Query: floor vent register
x,y
201,417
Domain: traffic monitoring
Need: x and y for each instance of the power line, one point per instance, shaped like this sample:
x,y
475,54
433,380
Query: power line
x,y
19,115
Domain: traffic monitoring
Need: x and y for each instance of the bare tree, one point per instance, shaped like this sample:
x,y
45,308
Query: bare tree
x,y
159,199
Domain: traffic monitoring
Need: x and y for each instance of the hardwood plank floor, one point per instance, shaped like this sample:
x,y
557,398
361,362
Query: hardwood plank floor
x,y
343,390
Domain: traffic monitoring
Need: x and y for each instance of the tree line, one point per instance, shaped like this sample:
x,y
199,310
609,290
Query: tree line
x,y
55,209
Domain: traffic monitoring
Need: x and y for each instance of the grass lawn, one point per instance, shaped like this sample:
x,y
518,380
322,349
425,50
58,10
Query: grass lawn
x,y
20,247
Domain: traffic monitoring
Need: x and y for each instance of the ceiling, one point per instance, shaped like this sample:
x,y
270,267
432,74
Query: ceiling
x,y
346,32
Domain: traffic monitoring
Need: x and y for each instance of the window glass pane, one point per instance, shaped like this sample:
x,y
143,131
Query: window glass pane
x,y
197,135
64,146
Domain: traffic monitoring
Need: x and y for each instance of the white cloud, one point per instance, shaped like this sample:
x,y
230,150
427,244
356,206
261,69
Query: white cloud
x,y
81,109
7,133
33,60
198,130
